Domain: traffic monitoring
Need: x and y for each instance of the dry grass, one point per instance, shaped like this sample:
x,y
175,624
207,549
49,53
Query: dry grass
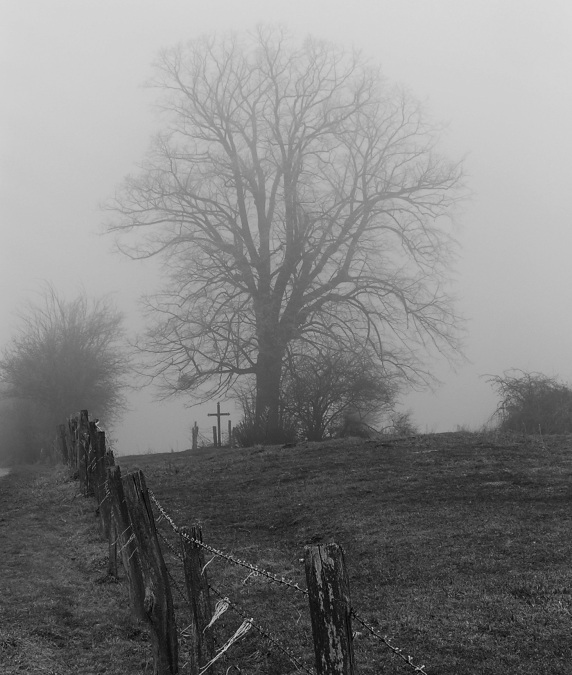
x,y
458,546
56,617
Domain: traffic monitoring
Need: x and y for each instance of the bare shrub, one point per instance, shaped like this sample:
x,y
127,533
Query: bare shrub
x,y
532,403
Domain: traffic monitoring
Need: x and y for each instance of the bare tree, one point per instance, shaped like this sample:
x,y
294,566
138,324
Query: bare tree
x,y
324,389
532,403
293,194
66,356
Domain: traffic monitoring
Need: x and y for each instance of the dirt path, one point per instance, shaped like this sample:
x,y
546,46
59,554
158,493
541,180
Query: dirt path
x,y
57,615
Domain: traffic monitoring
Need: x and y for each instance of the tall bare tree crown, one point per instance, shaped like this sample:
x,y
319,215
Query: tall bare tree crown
x,y
295,197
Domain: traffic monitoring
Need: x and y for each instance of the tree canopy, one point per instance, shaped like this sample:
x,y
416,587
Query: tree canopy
x,y
295,196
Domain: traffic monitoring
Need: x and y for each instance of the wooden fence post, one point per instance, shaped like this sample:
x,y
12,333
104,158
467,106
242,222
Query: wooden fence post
x,y
93,463
126,540
157,599
99,481
202,650
329,598
82,449
109,518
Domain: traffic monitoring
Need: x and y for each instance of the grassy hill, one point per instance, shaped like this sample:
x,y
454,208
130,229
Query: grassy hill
x,y
459,546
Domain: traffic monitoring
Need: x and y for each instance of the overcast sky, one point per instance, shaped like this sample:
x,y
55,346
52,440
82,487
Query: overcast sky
x,y
75,119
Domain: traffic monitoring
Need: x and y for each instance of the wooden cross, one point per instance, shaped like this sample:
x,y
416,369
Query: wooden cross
x,y
218,415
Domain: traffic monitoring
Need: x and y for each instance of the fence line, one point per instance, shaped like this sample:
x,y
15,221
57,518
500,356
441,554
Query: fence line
x,y
226,556
125,507
265,632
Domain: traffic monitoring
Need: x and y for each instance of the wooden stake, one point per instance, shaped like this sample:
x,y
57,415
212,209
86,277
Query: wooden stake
x,y
157,601
126,541
329,598
106,510
202,650
82,449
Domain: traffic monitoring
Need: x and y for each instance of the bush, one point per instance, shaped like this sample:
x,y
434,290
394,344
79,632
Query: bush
x,y
333,392
248,433
401,424
532,403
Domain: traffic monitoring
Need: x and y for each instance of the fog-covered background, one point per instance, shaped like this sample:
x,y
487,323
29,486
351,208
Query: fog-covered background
x,y
75,119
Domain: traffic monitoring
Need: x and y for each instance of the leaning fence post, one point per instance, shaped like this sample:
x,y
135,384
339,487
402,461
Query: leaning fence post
x,y
196,580
158,602
330,608
126,540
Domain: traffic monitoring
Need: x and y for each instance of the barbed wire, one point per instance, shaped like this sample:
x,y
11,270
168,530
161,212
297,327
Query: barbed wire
x,y
170,546
226,556
255,569
387,641
264,632
179,590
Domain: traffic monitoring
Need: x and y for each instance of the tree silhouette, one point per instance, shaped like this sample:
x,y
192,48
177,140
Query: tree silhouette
x,y
293,195
66,356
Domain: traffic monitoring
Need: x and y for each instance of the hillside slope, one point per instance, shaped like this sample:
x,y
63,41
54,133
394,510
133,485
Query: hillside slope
x,y
459,546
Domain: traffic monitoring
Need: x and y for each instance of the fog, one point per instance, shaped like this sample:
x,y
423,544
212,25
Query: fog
x,y
76,119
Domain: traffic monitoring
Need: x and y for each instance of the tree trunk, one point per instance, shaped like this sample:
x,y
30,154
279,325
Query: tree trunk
x,y
268,375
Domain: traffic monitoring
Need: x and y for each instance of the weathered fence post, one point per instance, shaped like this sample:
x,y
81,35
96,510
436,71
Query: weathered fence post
x,y
126,540
109,518
93,464
82,450
195,433
157,600
202,650
329,597
99,477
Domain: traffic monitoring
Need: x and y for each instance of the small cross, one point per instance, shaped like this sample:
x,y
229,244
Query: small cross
x,y
218,415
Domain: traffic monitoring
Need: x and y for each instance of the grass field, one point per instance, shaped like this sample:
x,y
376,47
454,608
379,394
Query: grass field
x,y
459,547
56,615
